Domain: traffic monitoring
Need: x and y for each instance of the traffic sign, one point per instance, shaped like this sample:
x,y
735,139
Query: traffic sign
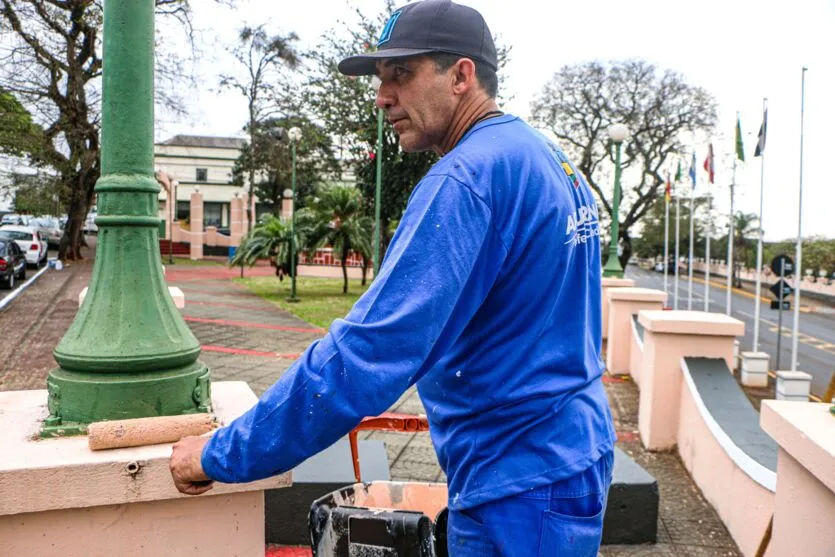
x,y
787,305
781,289
786,262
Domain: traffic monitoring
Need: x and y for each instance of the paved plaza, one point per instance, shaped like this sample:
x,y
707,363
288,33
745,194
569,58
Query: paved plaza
x,y
246,338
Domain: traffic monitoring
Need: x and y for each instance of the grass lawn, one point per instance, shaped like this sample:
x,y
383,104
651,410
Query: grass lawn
x,y
322,299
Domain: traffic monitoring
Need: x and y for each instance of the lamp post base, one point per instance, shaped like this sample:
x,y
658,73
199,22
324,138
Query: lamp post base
x,y
613,269
82,398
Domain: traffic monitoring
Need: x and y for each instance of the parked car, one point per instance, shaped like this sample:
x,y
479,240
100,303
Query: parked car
x,y
50,229
29,241
12,264
16,220
90,223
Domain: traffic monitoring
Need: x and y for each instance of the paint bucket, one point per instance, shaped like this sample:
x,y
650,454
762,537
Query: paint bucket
x,y
381,518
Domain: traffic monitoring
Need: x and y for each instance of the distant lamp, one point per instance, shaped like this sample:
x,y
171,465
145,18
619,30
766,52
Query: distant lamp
x,y
295,134
618,133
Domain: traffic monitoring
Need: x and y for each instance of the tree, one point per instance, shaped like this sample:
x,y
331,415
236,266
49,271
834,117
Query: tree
x,y
19,135
346,107
263,57
581,101
38,194
272,161
52,66
335,219
650,244
269,239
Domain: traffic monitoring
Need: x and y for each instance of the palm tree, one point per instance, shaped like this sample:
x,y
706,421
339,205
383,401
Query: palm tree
x,y
335,219
269,239
745,224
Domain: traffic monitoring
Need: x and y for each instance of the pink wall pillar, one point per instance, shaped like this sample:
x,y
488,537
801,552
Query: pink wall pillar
x,y
286,208
236,219
606,284
670,336
196,223
805,503
623,304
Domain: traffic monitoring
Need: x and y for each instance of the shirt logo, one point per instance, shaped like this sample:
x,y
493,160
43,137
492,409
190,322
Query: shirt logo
x,y
582,225
386,34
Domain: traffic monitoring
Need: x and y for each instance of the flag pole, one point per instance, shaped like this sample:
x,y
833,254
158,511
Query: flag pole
x,y
690,270
678,242
708,231
666,237
667,193
731,226
758,287
798,267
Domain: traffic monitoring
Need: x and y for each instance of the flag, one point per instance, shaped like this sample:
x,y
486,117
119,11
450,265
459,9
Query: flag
x,y
678,171
693,170
758,152
709,163
740,152
668,189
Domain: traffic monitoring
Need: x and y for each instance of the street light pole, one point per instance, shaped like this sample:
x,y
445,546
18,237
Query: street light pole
x,y
295,135
618,133
128,353
377,189
378,157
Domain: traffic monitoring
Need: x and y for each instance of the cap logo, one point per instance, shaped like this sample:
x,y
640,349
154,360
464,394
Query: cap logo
x,y
386,34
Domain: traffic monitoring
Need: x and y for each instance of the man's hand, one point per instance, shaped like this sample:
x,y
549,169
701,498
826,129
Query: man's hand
x,y
186,469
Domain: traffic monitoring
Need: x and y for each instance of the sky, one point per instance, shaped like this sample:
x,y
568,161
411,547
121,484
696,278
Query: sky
x,y
739,50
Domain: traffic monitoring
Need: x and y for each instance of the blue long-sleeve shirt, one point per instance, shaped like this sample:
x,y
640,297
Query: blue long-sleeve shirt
x,y
489,300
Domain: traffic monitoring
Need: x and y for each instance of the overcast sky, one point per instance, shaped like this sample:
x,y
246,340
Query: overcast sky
x,y
739,50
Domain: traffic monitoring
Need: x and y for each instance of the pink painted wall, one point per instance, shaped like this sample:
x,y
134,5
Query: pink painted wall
x,y
208,526
636,355
623,304
744,505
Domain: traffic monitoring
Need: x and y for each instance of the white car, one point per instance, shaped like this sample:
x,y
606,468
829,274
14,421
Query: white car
x,y
29,241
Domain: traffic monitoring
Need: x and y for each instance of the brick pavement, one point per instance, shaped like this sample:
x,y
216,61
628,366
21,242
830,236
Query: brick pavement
x,y
247,338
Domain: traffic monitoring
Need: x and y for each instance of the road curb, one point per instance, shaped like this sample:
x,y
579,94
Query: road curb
x,y
5,302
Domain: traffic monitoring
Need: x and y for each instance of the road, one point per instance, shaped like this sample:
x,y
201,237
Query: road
x,y
816,344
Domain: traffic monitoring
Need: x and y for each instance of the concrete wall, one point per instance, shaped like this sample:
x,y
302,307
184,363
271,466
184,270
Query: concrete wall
x,y
740,489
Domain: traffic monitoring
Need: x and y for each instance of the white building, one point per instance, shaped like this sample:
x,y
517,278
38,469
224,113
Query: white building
x,y
204,162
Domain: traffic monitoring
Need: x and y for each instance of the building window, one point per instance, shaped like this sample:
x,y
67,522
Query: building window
x,y
183,210
202,174
212,214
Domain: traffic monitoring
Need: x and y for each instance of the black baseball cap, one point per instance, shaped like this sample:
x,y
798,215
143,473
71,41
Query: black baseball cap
x,y
425,27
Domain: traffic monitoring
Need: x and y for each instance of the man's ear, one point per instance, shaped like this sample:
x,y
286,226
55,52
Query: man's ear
x,y
464,78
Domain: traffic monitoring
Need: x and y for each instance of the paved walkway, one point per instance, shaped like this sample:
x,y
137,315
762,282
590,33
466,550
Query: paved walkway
x,y
244,337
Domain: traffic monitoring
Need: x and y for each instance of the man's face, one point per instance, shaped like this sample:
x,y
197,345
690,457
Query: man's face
x,y
419,101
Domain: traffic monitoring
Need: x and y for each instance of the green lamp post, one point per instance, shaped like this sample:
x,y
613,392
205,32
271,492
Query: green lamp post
x,y
294,135
128,353
378,157
618,134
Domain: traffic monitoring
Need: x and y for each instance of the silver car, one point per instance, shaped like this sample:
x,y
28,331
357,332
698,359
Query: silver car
x,y
50,230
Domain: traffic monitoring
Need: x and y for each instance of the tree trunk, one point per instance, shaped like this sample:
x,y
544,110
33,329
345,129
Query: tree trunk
x,y
626,245
81,198
364,269
345,270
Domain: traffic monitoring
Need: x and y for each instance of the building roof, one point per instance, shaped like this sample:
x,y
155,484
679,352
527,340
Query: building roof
x,y
205,141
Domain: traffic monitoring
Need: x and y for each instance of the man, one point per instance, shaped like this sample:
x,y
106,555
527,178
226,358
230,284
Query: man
x,y
488,300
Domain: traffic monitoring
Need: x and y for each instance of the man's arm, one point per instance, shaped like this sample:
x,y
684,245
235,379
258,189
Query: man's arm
x,y
419,303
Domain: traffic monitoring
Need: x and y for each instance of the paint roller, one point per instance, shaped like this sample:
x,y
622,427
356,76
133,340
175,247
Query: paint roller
x,y
138,432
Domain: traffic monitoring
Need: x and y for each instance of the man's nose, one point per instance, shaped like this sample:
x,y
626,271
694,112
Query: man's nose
x,y
385,96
